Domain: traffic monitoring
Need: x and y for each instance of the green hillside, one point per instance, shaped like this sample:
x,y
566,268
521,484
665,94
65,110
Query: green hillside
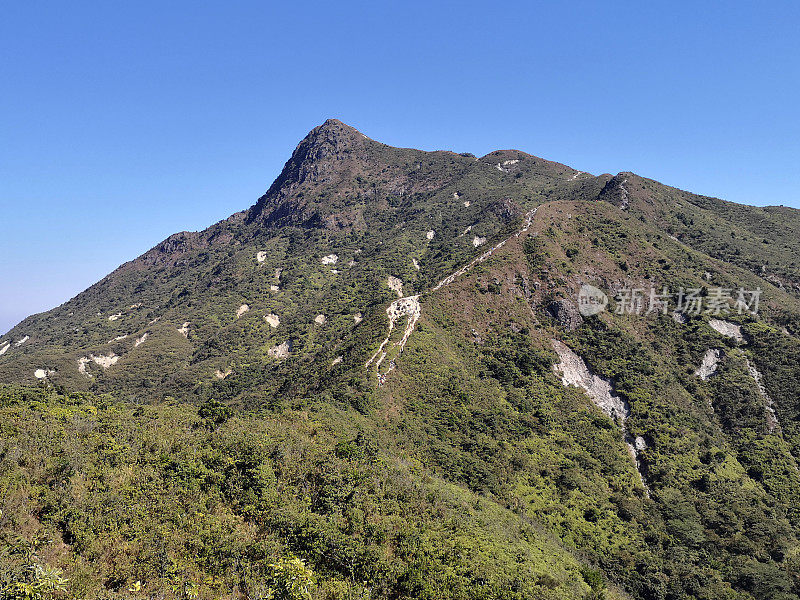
x,y
376,383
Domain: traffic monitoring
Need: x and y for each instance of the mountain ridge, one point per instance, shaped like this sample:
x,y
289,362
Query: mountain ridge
x,y
382,367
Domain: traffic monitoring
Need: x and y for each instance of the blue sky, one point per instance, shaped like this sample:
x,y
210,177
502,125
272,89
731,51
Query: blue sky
x,y
123,123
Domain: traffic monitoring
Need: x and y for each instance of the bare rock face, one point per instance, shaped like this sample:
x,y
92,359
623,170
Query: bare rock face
x,y
281,350
574,371
566,314
728,329
710,362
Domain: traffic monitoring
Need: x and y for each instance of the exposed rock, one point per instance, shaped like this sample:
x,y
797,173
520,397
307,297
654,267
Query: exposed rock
x,y
22,341
728,329
115,317
330,259
574,371
773,424
566,314
711,360
281,350
395,284
357,318
42,373
415,263
337,360
140,341
220,375
430,234
241,310
4,349
274,288
320,319
404,307
104,361
478,241
261,256
184,329
272,319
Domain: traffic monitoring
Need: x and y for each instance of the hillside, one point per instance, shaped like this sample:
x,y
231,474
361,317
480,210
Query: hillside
x,y
381,368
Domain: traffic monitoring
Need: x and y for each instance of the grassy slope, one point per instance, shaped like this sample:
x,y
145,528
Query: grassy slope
x,y
502,459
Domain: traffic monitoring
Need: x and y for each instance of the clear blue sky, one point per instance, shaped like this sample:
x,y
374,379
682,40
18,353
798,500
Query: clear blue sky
x,y
121,123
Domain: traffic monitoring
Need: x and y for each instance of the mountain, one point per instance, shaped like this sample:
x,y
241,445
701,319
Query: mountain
x,y
388,368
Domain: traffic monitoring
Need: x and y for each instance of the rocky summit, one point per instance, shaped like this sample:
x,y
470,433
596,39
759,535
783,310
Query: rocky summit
x,y
382,381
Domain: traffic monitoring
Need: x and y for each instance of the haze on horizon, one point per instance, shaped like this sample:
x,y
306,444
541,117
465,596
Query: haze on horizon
x,y
125,124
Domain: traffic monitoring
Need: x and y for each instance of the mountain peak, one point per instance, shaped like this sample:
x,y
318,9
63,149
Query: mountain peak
x,y
333,133
319,156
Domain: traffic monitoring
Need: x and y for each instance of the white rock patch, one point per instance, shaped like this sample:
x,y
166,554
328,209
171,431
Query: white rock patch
x,y
42,373
280,351
415,263
103,361
5,348
82,362
220,375
261,256
478,241
274,288
726,328
184,329
710,363
430,234
241,310
357,318
115,317
574,371
330,259
769,405
404,307
272,319
467,203
395,284
320,319
337,360
22,341
139,341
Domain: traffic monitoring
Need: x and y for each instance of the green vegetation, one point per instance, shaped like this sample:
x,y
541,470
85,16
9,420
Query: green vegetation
x,y
200,463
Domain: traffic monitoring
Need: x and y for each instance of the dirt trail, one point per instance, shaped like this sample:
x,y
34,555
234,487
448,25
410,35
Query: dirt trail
x,y
410,306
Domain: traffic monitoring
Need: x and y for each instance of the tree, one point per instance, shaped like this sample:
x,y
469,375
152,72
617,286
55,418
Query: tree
x,y
291,579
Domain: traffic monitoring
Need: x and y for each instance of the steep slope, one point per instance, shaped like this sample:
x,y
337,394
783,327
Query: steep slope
x,y
410,322
346,214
